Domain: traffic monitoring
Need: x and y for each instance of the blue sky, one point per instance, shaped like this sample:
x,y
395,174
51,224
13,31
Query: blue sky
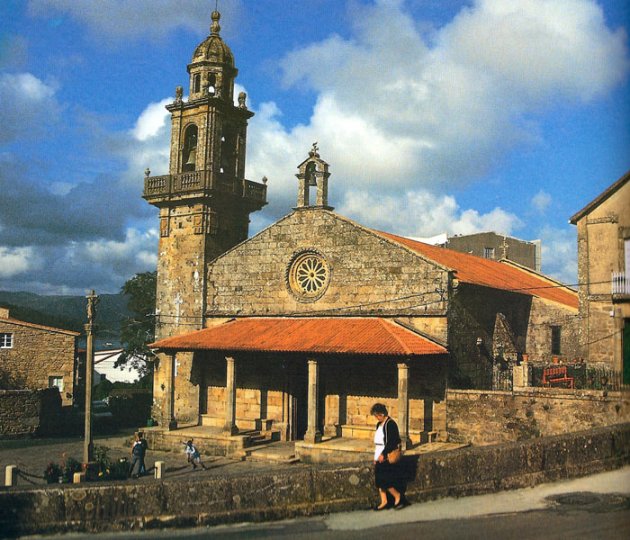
x,y
434,115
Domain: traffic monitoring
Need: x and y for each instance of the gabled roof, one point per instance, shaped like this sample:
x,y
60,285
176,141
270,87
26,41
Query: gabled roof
x,y
39,326
488,273
316,335
600,199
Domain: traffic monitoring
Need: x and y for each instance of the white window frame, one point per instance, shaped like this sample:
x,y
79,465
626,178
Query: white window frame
x,y
6,340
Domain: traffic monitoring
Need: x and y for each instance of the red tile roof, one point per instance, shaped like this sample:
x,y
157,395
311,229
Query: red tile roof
x,y
370,336
487,273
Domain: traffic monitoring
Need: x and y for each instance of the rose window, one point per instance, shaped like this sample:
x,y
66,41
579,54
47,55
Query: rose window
x,y
308,275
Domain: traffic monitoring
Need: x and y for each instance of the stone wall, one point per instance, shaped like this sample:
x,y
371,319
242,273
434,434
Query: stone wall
x,y
38,353
29,412
601,234
369,275
484,418
472,322
307,490
542,317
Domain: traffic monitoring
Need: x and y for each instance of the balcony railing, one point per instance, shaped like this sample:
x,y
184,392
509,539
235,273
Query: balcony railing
x,y
620,283
189,182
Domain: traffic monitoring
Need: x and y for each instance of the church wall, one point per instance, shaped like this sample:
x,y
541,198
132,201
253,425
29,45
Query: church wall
x,y
472,318
543,316
368,274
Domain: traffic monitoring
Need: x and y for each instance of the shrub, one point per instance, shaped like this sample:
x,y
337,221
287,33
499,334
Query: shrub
x,y
52,473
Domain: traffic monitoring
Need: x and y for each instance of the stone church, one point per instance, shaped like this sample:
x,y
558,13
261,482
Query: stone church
x,y
299,329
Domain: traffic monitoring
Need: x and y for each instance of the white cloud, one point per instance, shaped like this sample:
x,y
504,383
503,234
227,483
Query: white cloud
x,y
137,249
446,111
27,106
422,213
541,201
152,120
14,261
402,116
559,254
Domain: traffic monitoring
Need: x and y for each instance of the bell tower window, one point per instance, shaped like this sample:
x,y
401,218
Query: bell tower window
x,y
197,83
212,84
189,154
228,152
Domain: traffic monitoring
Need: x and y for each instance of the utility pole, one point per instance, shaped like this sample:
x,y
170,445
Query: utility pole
x,y
88,447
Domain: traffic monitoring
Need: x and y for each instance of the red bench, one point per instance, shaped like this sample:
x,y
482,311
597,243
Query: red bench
x,y
557,376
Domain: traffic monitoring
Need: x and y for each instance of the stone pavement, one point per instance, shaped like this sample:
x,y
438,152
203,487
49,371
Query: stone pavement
x,y
33,455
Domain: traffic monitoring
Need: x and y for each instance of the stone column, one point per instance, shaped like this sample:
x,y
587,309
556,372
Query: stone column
x,y
403,404
312,434
230,398
169,397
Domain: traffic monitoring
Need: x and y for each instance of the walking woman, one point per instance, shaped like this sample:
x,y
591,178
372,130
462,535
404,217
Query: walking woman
x,y
386,439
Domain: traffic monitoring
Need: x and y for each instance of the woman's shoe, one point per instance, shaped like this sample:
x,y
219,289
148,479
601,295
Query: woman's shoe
x,y
401,504
379,508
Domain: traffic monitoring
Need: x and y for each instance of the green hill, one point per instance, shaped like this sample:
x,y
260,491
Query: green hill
x,y
68,312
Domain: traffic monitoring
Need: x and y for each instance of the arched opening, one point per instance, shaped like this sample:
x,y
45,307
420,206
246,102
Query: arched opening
x,y
197,82
189,154
310,177
212,84
228,152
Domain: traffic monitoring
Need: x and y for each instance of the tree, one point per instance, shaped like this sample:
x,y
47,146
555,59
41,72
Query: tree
x,y
139,329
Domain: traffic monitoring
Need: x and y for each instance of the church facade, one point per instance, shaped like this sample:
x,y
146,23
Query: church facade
x,y
299,329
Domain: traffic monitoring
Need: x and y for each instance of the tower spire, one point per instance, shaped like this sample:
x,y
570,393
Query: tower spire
x,y
215,27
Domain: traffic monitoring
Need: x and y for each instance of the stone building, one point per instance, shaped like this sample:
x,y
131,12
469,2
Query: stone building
x,y
603,228
34,356
299,329
491,245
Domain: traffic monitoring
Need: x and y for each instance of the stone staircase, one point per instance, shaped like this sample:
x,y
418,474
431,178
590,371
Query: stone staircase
x,y
274,451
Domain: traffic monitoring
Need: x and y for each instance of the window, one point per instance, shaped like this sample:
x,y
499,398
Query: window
x,y
488,252
556,335
308,275
56,382
197,83
6,341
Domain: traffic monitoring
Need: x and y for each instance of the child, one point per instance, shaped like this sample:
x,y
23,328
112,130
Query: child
x,y
193,455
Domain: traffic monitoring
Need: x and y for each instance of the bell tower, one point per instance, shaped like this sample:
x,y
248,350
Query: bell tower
x,y
204,200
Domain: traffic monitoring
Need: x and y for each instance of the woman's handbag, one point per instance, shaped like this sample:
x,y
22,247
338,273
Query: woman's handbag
x,y
395,455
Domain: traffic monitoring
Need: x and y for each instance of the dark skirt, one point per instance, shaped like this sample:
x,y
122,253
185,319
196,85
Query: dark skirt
x,y
387,475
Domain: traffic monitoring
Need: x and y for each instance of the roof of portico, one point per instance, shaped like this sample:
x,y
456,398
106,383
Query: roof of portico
x,y
316,335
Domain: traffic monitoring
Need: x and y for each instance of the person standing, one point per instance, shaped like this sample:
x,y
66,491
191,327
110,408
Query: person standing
x,y
387,475
138,451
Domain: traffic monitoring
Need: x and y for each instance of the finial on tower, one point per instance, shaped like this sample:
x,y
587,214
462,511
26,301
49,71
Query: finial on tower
x,y
215,27
314,152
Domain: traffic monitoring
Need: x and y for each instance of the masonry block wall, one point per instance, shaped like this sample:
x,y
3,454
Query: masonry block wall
x,y
28,412
37,354
473,314
543,316
368,274
602,234
483,418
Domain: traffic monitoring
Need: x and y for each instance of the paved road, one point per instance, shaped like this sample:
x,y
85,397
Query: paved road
x,y
32,457
594,507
